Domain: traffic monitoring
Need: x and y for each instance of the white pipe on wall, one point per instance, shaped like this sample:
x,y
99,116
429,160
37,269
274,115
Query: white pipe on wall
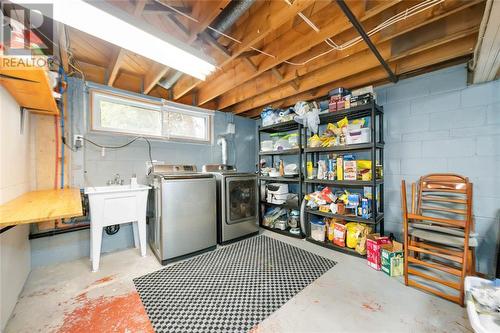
x,y
223,143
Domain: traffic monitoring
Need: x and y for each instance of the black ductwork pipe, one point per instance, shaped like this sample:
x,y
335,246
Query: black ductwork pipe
x,y
367,39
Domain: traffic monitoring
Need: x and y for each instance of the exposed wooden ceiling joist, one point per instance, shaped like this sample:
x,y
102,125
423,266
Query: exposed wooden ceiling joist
x,y
370,77
331,21
269,17
433,52
247,80
212,41
204,12
62,45
444,23
119,54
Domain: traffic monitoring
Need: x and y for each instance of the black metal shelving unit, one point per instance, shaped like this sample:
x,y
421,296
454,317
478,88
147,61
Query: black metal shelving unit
x,y
288,126
375,147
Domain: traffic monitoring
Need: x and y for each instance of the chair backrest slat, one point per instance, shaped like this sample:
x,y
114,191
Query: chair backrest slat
x,y
444,197
449,199
443,209
455,223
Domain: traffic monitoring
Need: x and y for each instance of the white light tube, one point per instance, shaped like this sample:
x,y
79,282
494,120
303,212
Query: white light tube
x,y
113,25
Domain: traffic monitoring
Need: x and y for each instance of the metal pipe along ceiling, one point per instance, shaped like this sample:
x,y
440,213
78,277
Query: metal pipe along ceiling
x,y
230,15
223,22
169,82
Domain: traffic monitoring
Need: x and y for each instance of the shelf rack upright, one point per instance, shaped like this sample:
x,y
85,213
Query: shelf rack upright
x,y
288,126
376,145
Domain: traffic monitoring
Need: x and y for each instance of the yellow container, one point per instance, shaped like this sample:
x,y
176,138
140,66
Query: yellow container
x,y
340,168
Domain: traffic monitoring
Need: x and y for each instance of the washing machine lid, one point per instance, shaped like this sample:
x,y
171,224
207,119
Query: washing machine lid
x,y
219,168
173,168
177,171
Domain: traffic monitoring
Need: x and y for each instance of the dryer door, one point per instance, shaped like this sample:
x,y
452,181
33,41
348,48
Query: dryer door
x,y
241,199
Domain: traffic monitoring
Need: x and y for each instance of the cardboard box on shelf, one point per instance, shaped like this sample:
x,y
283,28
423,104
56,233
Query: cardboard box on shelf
x,y
392,259
374,243
350,170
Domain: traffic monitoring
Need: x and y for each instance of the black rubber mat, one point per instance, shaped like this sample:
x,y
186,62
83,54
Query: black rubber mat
x,y
228,290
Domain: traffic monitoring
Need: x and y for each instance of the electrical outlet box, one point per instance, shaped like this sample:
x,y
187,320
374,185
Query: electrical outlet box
x,y
77,141
231,128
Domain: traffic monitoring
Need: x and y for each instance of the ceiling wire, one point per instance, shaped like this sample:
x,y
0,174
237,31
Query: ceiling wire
x,y
425,5
71,58
394,19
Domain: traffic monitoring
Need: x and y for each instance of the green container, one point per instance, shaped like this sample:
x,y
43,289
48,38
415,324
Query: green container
x,y
392,259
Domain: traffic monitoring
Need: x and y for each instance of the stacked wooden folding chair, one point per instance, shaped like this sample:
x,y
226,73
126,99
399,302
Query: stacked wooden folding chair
x,y
438,239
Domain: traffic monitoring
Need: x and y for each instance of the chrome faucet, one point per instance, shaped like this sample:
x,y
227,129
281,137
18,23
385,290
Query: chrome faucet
x,y
116,181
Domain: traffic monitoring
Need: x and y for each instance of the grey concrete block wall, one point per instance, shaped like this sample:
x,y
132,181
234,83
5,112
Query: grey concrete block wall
x,y
90,168
433,123
436,123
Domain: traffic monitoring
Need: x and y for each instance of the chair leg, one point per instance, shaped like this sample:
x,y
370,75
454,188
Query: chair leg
x,y
407,253
472,262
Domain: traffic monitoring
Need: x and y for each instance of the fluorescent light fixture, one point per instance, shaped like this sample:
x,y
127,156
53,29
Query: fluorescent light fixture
x,y
115,26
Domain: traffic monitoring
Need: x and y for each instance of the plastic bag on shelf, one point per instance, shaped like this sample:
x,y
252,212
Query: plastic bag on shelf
x,y
307,115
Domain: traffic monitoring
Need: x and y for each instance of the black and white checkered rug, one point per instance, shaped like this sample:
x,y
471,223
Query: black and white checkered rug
x,y
228,290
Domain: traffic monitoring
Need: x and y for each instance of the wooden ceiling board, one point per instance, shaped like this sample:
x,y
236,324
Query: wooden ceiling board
x,y
292,44
92,72
246,79
450,21
272,16
136,64
425,55
129,82
88,48
344,67
205,17
159,92
376,76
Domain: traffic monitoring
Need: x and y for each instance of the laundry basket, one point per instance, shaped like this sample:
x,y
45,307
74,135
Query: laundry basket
x,y
481,323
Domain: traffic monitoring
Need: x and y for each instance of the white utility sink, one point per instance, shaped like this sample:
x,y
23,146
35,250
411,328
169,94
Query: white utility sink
x,y
115,188
116,204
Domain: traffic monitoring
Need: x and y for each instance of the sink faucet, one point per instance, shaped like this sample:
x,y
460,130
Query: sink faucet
x,y
116,181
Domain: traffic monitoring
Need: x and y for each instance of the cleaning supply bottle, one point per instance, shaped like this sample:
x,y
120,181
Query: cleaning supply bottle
x,y
133,180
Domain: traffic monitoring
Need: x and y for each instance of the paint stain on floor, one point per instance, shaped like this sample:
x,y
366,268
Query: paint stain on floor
x,y
105,279
123,313
372,306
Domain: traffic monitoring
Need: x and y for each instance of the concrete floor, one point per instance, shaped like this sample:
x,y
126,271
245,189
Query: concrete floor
x,y
351,297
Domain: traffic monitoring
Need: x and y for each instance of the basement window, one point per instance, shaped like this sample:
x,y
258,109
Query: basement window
x,y
122,114
185,124
114,113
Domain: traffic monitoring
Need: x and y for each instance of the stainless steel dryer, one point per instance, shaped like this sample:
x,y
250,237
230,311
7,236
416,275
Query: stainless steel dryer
x,y
183,208
237,206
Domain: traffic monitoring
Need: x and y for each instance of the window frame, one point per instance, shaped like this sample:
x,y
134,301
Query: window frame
x,y
190,111
162,106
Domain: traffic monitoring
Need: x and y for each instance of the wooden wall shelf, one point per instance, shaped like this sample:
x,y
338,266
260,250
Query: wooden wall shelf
x,y
39,206
30,87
